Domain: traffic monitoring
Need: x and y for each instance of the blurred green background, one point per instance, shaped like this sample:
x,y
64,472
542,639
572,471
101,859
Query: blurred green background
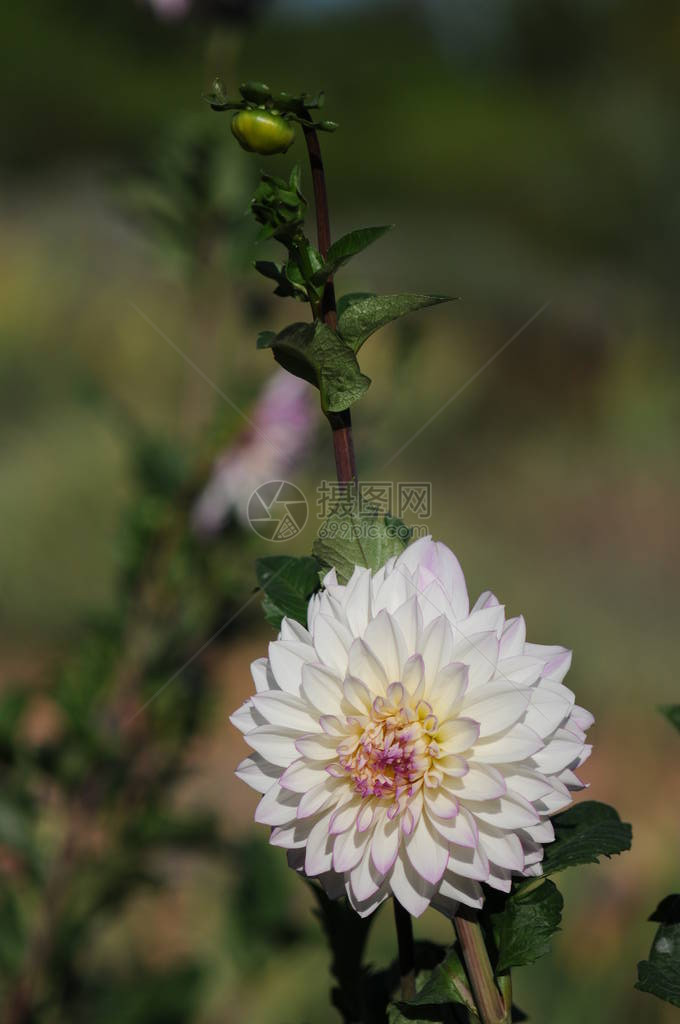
x,y
528,154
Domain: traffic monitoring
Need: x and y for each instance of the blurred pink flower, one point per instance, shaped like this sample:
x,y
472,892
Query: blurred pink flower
x,y
269,449
170,9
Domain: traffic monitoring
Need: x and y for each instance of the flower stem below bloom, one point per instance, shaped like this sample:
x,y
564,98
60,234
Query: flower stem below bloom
x,y
490,1004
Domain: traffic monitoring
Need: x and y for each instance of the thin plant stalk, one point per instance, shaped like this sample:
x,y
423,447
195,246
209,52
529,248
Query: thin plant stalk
x,y
490,1004
340,422
407,963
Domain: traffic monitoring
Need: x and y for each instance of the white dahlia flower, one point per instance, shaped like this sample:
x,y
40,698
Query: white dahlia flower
x,y
408,745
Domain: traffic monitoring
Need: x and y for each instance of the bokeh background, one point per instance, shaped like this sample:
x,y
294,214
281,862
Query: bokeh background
x,y
528,154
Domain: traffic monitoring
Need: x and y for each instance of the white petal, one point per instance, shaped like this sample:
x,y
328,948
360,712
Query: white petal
x,y
286,661
358,699
550,704
558,753
277,745
480,652
435,646
319,850
292,630
413,672
322,688
463,890
348,849
517,744
385,843
357,600
247,717
257,773
332,641
513,637
505,812
277,807
365,665
461,830
384,638
470,862
427,851
317,798
529,784
495,706
301,776
317,746
441,803
503,848
263,677
448,688
410,888
457,735
364,879
409,618
280,708
481,782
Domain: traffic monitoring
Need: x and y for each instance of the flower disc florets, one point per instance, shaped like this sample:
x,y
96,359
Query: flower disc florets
x,y
408,745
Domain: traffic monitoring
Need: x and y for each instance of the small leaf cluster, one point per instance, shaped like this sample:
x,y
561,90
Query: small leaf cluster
x,y
323,355
257,95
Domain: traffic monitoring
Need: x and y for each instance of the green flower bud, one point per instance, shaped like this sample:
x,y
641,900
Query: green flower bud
x,y
258,131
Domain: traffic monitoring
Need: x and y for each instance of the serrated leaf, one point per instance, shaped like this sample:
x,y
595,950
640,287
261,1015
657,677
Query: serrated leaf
x,y
583,834
672,713
288,584
660,974
525,925
346,247
317,354
346,540
361,316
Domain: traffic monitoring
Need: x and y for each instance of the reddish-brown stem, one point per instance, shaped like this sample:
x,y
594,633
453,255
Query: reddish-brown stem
x,y
341,422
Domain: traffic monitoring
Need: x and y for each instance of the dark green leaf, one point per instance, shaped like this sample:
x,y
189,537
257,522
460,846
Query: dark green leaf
x,y
360,316
317,354
288,584
348,246
346,540
660,975
265,339
672,713
583,834
525,925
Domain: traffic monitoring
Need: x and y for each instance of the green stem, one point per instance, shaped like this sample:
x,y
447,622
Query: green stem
x,y
490,1004
341,422
407,960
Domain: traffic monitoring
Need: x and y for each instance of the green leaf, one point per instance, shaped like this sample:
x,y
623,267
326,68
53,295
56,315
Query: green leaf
x,y
525,925
660,975
346,540
288,584
672,713
446,983
317,354
361,316
583,834
348,246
